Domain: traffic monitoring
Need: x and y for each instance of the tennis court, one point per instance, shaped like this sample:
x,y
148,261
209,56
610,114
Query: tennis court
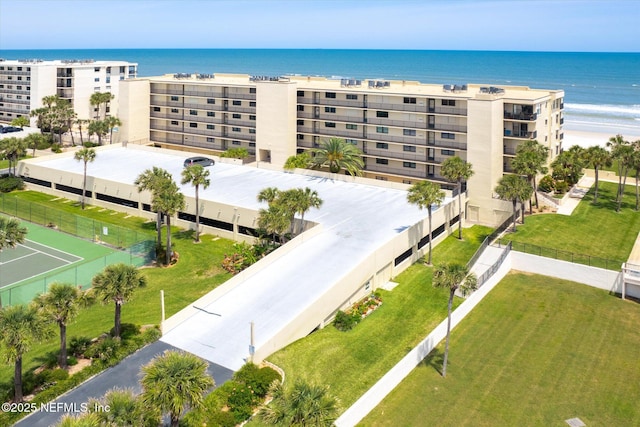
x,y
31,259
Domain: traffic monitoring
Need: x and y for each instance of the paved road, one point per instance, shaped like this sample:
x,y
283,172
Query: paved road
x,y
123,375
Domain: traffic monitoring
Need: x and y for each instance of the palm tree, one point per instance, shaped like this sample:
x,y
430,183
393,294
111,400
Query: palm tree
x,y
274,220
117,283
597,157
80,123
268,195
125,409
152,180
11,234
304,405
514,188
301,161
175,382
635,165
98,99
85,155
622,152
453,277
99,128
12,149
530,160
21,326
455,169
87,419
61,304
34,140
197,176
20,121
307,199
112,122
337,154
169,200
425,194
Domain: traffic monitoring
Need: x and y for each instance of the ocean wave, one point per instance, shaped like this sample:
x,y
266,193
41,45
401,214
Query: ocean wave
x,y
628,111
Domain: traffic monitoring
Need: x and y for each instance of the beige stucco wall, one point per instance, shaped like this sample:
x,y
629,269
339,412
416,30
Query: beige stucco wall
x,y
275,121
134,110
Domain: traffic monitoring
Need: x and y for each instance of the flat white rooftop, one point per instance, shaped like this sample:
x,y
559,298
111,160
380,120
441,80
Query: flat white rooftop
x,y
356,220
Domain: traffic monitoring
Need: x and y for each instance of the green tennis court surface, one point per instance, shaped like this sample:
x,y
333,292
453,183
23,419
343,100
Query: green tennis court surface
x,y
49,256
31,259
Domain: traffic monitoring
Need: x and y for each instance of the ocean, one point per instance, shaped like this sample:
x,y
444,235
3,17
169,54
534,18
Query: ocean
x,y
602,90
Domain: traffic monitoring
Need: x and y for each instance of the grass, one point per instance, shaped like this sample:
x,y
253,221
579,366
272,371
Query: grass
x,y
535,352
197,272
596,230
351,362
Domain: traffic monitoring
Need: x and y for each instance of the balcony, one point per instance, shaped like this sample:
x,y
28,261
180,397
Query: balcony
x,y
446,143
400,155
509,151
523,116
446,127
520,134
64,74
452,111
332,102
411,172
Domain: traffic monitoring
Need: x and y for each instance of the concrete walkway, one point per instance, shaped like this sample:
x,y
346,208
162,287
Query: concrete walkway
x,y
634,256
576,195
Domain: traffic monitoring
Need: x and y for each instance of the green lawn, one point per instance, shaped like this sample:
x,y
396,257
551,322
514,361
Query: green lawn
x,y
197,272
351,362
536,351
595,230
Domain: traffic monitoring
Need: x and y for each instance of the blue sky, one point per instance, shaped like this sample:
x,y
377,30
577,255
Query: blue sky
x,y
543,25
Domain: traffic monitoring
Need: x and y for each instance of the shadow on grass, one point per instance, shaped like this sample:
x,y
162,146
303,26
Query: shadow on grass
x,y
435,359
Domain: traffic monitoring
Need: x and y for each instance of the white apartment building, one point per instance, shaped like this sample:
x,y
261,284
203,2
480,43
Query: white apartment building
x,y
405,129
23,84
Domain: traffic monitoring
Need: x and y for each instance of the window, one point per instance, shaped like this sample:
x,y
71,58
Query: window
x,y
409,100
409,148
352,126
175,98
20,88
108,80
408,165
210,139
352,96
96,69
382,145
382,161
211,127
236,130
252,117
174,110
211,101
252,103
300,122
156,109
252,131
449,102
193,112
406,181
300,107
236,142
236,102
383,114
329,109
300,136
252,90
447,152
252,144
97,79
330,95
236,116
300,93
445,135
382,129
409,132
211,114
193,125
329,124
351,141
19,68
96,89
108,70
174,122
122,69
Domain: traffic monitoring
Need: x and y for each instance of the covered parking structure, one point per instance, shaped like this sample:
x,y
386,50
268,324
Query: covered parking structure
x,y
364,234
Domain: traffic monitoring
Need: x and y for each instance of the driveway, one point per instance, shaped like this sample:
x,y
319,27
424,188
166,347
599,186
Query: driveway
x,y
123,375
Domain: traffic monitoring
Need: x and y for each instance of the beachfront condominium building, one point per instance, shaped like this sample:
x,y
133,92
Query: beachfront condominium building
x,y
23,84
404,129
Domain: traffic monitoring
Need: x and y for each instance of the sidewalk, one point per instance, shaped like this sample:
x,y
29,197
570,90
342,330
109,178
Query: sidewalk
x,y
576,195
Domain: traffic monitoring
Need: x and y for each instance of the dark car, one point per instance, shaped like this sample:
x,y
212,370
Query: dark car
x,y
202,161
8,129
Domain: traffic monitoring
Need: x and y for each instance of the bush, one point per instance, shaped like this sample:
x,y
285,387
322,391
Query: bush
x,y
302,161
258,379
220,418
346,321
56,148
10,183
53,376
103,350
236,153
547,184
127,330
561,187
72,361
78,346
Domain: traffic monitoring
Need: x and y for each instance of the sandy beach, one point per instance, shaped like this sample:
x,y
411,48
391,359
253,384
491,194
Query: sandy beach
x,y
587,139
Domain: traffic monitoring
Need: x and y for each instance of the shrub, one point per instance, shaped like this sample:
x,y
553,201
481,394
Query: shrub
x,y
236,153
258,379
78,345
53,376
219,418
10,183
72,361
56,148
561,187
302,160
127,330
103,350
546,184
346,321
151,335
